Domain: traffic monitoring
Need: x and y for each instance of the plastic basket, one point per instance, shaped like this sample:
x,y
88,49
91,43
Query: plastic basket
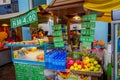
x,y
89,73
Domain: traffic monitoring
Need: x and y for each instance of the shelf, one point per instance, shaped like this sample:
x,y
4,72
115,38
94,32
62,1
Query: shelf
x,y
22,45
29,62
28,45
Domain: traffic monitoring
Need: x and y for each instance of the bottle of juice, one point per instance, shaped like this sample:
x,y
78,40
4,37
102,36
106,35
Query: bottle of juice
x,y
118,44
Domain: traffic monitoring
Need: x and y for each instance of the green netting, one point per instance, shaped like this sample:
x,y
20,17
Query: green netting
x,y
29,72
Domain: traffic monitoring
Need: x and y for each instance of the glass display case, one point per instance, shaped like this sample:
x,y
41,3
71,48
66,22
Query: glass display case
x,y
28,53
116,49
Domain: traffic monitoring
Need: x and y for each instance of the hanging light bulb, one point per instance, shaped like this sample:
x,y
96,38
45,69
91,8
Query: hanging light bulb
x,y
5,25
77,18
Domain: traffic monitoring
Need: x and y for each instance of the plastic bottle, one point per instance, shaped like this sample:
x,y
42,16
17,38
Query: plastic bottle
x,y
118,44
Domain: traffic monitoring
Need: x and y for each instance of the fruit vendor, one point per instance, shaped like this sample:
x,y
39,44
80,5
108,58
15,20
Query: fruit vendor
x,y
41,34
13,37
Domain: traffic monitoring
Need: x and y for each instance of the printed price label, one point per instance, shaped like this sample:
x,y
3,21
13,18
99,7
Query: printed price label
x,y
57,33
58,39
90,17
87,38
57,27
88,25
87,32
59,44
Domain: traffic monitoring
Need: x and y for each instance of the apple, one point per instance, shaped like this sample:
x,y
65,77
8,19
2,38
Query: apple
x,y
68,59
68,66
78,61
83,66
71,62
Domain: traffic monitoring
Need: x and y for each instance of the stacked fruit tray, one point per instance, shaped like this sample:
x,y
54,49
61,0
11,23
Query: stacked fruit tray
x,y
89,73
86,66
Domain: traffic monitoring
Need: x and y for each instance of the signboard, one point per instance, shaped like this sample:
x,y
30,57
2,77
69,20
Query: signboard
x,y
24,19
3,2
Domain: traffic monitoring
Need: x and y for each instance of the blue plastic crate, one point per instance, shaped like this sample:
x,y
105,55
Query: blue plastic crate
x,y
56,60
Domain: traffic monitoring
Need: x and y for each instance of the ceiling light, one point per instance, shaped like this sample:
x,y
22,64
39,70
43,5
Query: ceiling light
x,y
5,25
77,17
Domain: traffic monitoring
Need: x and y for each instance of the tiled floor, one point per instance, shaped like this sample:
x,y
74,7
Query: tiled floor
x,y
7,72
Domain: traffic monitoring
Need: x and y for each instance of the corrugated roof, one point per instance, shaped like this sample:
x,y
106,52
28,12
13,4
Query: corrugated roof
x,y
66,7
64,2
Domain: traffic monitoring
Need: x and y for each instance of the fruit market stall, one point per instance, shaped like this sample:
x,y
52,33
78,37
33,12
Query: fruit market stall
x,y
33,58
89,48
28,55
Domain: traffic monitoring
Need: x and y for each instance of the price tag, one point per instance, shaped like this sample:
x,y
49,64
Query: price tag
x,y
87,32
59,45
88,25
57,27
58,39
87,38
57,33
90,17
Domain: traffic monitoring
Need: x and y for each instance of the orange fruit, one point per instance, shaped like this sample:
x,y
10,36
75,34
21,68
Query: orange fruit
x,y
88,64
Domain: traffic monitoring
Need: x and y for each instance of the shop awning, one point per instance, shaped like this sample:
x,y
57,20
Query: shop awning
x,y
104,6
8,16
